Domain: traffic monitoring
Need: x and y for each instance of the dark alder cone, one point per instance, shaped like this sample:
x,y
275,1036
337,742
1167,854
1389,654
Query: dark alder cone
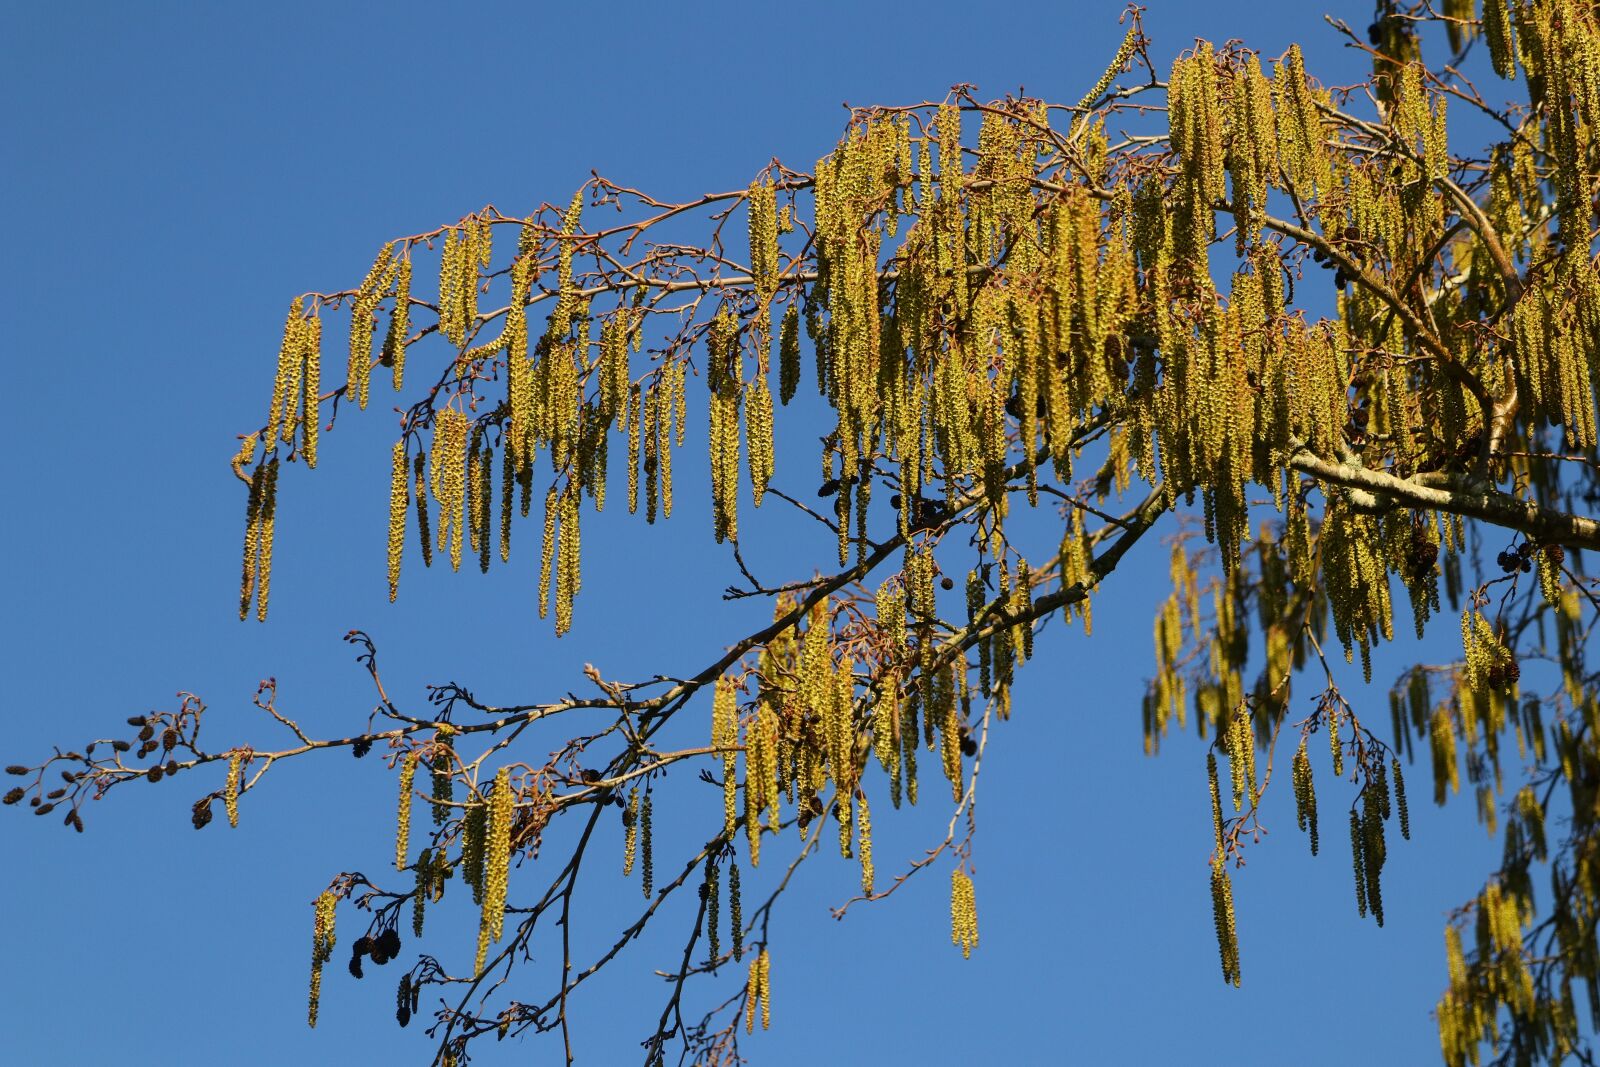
x,y
14,795
169,739
894,501
969,747
1555,554
121,746
361,748
136,720
362,945
591,776
44,809
147,733
172,766
947,582
816,805
75,821
17,769
55,794
829,487
200,815
388,945
154,773
1513,672
355,965
146,748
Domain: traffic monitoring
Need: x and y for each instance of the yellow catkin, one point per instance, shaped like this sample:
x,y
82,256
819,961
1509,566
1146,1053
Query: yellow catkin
x,y
269,512
311,388
752,994
363,320
230,791
963,913
496,862
394,344
252,536
764,962
725,738
402,834
1223,917
288,357
864,842
399,499
763,228
1216,799
547,550
635,409
630,832
322,942
568,573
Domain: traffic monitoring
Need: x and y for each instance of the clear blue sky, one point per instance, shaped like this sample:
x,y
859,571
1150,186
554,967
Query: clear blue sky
x,y
173,174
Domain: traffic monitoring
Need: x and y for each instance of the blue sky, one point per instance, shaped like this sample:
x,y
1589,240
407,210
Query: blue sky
x,y
175,173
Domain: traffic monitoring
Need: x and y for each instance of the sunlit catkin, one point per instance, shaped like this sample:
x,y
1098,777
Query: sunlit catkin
x,y
963,913
630,831
1305,796
547,550
268,520
725,739
864,842
402,834
1216,799
394,342
230,792
496,864
752,995
399,499
1223,918
497,852
311,388
322,942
